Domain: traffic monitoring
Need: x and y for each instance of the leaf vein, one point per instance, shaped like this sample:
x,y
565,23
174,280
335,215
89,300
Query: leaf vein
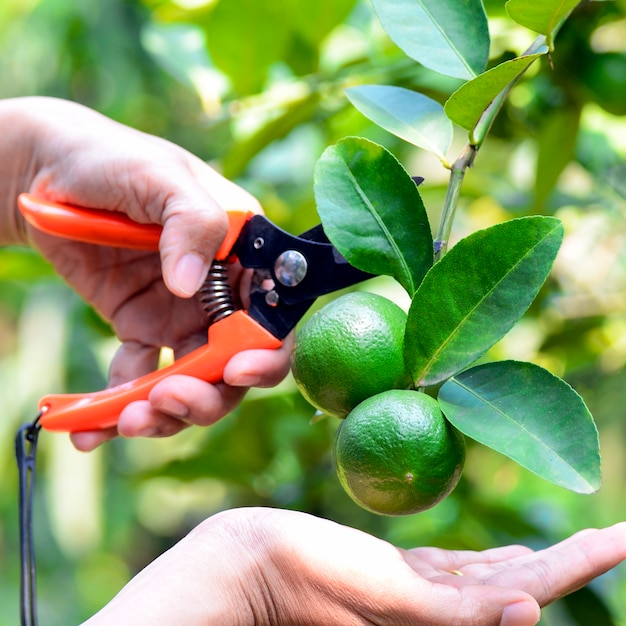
x,y
453,47
444,344
497,410
388,236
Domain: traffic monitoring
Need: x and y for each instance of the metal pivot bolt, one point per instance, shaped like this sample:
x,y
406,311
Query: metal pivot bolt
x,y
290,268
272,298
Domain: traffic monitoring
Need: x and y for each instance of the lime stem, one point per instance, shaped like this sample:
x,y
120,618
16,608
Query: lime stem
x,y
466,157
457,173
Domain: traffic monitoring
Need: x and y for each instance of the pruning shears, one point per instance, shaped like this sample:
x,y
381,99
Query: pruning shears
x,y
289,273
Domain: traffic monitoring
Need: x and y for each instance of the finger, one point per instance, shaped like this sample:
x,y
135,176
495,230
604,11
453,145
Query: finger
x,y
259,368
438,560
194,401
194,225
90,440
479,604
228,195
176,403
490,605
464,605
140,419
188,244
132,360
524,613
556,571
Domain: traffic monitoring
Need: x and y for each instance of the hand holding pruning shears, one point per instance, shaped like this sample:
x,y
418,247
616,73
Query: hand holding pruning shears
x,y
146,295
289,274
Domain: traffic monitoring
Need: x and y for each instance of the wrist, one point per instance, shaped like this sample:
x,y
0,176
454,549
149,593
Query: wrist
x,y
210,578
233,551
281,581
18,164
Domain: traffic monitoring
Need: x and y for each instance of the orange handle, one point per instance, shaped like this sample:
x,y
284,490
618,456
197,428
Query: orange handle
x,y
110,228
88,225
100,409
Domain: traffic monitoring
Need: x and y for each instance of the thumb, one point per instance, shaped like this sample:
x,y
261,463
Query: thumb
x,y
521,613
507,607
471,604
192,232
194,226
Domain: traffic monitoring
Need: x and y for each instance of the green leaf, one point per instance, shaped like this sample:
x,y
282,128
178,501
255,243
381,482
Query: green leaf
x,y
372,211
315,20
25,263
543,17
405,113
466,105
475,294
241,44
528,414
557,140
447,36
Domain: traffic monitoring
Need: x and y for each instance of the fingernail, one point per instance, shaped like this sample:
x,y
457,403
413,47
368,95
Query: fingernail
x,y
148,431
173,407
189,274
518,614
244,380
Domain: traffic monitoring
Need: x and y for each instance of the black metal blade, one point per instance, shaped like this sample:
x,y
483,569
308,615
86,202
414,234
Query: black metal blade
x,y
316,233
279,304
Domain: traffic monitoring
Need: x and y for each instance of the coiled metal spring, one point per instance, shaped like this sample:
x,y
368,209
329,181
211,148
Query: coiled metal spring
x,y
215,294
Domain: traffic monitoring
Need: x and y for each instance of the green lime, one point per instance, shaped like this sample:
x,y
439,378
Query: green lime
x,y
349,350
396,454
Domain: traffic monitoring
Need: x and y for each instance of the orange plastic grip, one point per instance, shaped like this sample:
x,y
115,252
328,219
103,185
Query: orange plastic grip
x,y
88,225
110,228
100,409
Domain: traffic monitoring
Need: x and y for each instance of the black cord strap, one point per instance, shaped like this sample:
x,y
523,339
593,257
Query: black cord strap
x,y
25,453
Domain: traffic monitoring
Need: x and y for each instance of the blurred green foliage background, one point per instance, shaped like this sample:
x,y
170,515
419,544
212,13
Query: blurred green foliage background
x,y
256,88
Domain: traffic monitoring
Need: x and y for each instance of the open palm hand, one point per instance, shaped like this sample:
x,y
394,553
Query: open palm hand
x,y
267,566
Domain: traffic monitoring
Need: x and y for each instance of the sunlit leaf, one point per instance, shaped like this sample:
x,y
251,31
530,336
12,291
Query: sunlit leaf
x,y
467,104
542,17
372,211
181,50
447,36
24,263
315,20
293,113
407,114
475,294
242,45
535,418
